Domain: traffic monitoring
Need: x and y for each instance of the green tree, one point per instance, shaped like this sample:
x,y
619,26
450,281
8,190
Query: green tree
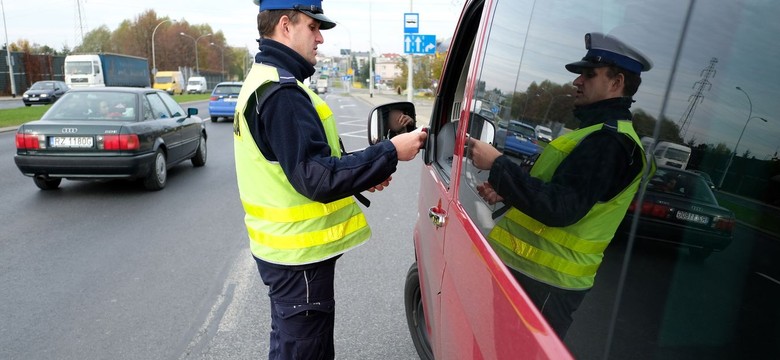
x,y
98,40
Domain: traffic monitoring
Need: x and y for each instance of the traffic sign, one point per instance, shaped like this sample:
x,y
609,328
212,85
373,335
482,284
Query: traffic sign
x,y
419,44
411,23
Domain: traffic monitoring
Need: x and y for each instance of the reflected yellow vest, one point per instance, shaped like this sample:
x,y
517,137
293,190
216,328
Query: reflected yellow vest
x,y
564,257
284,226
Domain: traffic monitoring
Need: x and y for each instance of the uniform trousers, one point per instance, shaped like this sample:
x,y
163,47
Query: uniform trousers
x,y
556,305
302,309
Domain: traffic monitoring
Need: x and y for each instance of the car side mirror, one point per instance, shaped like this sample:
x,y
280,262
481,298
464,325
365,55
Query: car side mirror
x,y
192,111
388,120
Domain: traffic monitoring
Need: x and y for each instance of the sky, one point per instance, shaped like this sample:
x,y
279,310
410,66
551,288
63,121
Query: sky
x,y
381,22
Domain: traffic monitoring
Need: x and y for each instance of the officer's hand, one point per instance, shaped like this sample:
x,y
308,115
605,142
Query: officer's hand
x,y
482,154
487,192
381,186
408,145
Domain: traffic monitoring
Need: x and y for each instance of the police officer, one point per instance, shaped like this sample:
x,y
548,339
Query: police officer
x,y
565,211
296,185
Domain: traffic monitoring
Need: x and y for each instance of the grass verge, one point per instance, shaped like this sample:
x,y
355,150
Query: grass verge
x,y
21,115
765,220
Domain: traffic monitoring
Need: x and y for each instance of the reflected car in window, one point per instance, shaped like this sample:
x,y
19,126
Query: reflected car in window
x,y
518,139
706,177
222,102
110,133
680,208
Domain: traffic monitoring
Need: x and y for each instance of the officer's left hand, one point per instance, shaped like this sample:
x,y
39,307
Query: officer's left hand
x,y
381,186
487,192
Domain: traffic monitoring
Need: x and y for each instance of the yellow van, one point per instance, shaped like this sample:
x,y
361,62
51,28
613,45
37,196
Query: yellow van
x,y
170,81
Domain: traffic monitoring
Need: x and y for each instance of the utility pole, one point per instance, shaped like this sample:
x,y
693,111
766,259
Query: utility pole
x,y
8,53
370,55
697,97
410,68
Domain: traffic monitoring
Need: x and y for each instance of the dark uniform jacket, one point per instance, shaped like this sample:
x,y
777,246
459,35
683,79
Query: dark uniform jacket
x,y
600,166
288,130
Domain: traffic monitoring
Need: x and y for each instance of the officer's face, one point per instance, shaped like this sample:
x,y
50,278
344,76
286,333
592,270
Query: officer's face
x,y
304,36
594,85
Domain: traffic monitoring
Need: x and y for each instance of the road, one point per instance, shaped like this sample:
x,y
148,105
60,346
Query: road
x,y
99,270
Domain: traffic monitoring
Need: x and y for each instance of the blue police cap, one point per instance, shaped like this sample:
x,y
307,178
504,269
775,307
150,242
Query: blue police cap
x,y
312,8
605,50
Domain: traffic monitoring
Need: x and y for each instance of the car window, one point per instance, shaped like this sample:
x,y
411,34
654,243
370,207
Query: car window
x,y
94,105
706,90
159,110
227,89
174,107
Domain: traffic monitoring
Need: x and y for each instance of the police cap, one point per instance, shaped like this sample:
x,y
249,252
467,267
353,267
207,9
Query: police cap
x,y
605,50
312,8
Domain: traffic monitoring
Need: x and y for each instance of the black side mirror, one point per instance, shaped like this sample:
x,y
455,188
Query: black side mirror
x,y
388,120
192,111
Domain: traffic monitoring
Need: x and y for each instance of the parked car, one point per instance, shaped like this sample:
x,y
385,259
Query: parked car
x,y
680,208
462,302
223,100
110,133
543,133
518,139
44,92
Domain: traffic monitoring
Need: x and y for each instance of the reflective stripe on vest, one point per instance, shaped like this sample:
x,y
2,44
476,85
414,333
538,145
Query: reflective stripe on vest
x,y
566,257
285,227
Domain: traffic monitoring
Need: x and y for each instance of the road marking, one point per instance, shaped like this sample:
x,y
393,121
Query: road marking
x,y
769,278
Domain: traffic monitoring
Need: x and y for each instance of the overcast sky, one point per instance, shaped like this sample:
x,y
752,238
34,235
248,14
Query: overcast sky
x,y
57,22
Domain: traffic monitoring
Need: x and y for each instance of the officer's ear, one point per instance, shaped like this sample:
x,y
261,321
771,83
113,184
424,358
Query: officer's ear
x,y
618,83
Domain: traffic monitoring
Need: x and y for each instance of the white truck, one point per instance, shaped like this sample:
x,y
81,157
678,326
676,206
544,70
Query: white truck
x,y
322,84
668,153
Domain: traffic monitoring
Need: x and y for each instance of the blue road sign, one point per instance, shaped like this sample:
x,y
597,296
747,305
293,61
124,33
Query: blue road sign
x,y
411,23
419,44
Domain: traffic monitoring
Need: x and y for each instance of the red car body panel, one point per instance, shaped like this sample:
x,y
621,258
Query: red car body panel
x,y
474,307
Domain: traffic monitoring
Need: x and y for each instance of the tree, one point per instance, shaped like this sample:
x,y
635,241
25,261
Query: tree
x,y
98,40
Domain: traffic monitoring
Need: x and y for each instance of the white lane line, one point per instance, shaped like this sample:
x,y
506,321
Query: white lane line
x,y
769,278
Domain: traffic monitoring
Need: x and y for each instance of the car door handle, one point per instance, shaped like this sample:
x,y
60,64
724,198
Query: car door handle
x,y
437,215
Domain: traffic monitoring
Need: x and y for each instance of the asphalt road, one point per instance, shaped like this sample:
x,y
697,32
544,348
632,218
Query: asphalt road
x,y
107,270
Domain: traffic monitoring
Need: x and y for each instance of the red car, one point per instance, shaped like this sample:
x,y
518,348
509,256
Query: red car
x,y
463,303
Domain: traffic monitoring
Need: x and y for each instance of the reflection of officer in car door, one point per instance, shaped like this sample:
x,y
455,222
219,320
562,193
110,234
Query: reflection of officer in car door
x,y
295,184
565,211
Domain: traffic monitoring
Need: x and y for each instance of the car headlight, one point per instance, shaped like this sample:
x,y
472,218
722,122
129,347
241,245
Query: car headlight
x,y
44,95
25,95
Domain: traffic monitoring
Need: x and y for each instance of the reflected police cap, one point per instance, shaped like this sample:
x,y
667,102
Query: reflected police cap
x,y
312,8
605,50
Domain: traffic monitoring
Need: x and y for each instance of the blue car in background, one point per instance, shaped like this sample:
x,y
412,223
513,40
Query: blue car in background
x,y
223,100
518,139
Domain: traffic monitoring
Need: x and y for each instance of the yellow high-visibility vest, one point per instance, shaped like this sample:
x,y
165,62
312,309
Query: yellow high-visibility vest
x,y
564,257
284,226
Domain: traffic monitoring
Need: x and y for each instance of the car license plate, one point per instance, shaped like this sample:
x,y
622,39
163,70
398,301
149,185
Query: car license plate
x,y
32,99
71,141
231,99
699,219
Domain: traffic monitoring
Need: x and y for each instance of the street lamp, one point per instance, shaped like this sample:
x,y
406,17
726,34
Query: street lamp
x,y
195,40
731,158
154,59
222,58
